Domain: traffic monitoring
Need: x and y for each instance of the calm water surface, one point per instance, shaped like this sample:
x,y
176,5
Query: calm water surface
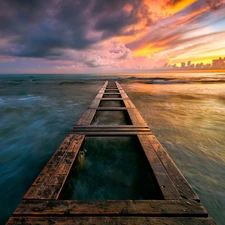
x,y
37,113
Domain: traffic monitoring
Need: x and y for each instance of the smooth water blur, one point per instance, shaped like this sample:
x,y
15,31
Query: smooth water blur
x,y
35,118
112,168
37,112
189,119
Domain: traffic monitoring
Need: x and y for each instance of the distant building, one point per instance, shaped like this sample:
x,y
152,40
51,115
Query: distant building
x,y
183,65
218,63
189,64
174,66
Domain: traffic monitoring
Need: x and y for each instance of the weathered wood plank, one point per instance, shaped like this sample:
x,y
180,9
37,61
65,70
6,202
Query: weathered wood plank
x,y
89,118
136,117
133,118
95,103
162,208
83,117
113,126
108,128
139,117
105,84
110,108
52,178
165,183
178,179
116,133
100,95
110,220
128,103
123,93
86,118
112,89
112,99
134,114
111,130
112,94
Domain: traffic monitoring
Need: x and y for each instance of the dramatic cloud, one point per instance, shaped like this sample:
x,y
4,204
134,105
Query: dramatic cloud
x,y
42,28
214,4
172,2
128,34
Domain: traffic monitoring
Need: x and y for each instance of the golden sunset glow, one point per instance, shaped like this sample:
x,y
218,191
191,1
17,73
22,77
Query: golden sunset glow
x,y
179,6
115,36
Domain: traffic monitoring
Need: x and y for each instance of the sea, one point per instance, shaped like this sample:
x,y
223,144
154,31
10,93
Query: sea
x,y
185,111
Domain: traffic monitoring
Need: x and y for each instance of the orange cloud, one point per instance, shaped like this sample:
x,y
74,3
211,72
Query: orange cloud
x,y
157,10
171,9
180,37
154,47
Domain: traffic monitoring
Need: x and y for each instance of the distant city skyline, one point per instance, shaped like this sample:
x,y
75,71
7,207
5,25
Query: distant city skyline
x,y
216,64
100,36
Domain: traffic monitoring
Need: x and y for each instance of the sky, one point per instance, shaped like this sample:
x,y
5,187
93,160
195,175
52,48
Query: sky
x,y
111,36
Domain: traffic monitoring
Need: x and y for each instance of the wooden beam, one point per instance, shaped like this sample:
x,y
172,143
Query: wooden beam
x,y
50,181
153,208
95,103
136,117
96,130
111,133
111,93
109,128
112,99
178,179
86,117
112,126
112,89
110,108
165,183
65,220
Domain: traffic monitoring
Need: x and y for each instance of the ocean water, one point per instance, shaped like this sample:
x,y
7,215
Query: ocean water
x,y
113,168
188,120
185,111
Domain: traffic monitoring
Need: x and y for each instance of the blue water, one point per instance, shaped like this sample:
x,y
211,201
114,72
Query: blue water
x,y
187,116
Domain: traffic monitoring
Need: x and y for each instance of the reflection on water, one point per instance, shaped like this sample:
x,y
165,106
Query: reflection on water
x,y
113,168
189,121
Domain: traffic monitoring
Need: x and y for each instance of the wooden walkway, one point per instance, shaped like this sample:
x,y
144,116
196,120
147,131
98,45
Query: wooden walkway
x,y
179,204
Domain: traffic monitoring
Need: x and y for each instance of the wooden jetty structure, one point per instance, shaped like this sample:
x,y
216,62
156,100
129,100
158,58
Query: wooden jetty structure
x,y
175,204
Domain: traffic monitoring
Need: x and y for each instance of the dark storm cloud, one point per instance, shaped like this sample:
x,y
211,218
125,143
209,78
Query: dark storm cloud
x,y
18,15
113,24
43,28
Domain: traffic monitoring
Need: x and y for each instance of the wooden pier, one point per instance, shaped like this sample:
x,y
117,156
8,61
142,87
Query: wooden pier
x,y
178,204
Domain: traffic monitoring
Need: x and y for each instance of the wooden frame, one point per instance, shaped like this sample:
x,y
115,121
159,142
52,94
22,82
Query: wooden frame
x,y
180,204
